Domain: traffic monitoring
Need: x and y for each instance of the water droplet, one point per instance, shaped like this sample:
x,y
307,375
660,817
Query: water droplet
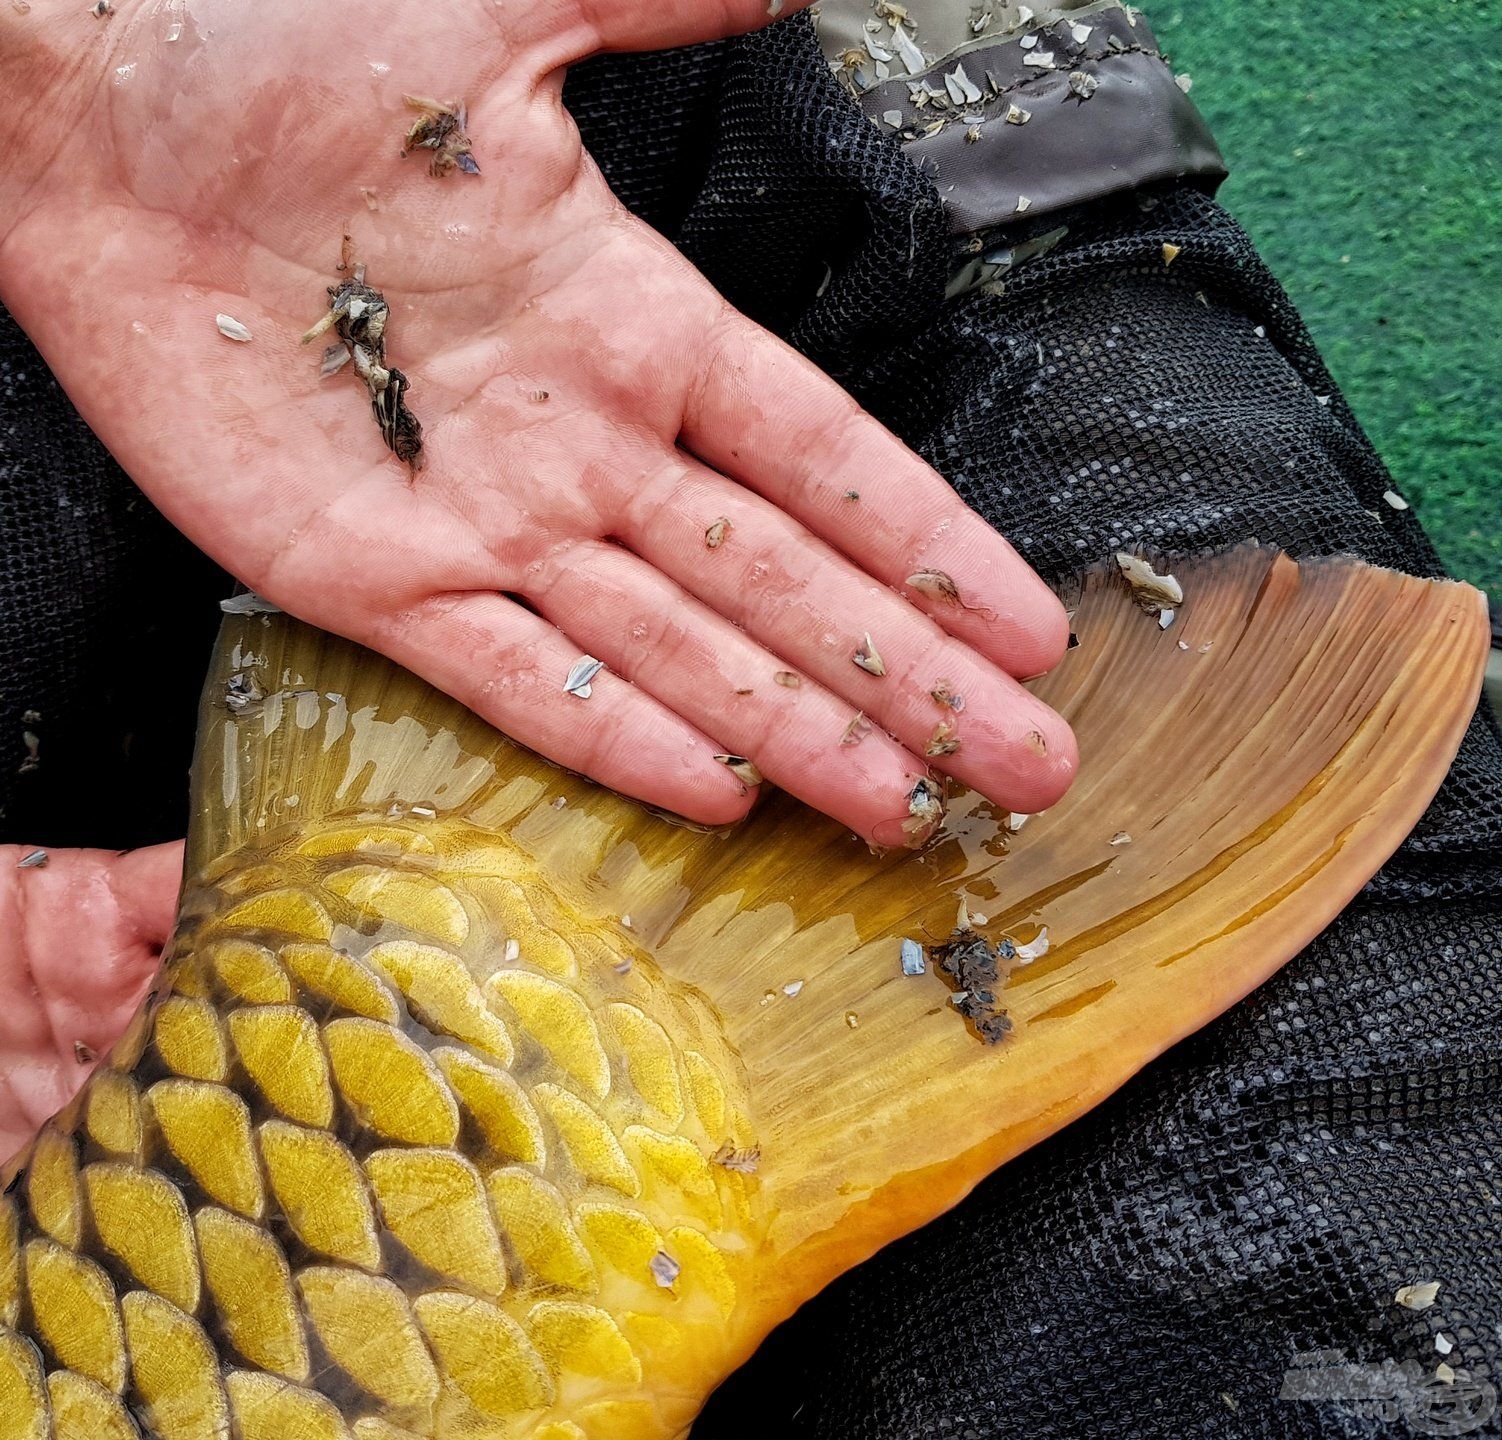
x,y
124,73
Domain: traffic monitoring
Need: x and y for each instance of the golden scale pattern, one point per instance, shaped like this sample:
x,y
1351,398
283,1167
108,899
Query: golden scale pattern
x,y
403,1151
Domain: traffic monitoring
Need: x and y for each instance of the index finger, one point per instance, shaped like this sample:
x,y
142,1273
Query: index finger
x,y
773,421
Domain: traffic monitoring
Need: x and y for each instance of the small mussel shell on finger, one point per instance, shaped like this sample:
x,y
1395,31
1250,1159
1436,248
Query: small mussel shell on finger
x,y
742,768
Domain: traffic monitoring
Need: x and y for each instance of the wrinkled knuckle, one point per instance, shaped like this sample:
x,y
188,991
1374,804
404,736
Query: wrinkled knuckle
x,y
763,578
540,576
401,628
759,730
655,491
645,641
661,644
608,752
830,437
916,678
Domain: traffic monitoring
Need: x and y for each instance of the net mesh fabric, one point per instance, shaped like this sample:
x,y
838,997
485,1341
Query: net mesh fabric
x,y
106,619
1260,1192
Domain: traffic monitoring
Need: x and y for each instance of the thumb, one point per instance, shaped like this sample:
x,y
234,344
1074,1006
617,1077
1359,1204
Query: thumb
x,y
660,24
145,883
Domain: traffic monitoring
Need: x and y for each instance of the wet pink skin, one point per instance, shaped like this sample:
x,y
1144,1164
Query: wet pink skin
x,y
591,408
79,942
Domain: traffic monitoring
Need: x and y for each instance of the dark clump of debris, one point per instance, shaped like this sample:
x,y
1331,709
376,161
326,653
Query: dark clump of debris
x,y
925,807
978,969
440,127
243,694
358,314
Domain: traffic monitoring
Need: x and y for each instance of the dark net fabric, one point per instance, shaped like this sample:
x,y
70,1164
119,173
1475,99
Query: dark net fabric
x,y
1261,1193
106,619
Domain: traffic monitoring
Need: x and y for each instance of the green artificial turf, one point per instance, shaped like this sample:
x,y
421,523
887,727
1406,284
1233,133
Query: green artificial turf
x,y
1365,146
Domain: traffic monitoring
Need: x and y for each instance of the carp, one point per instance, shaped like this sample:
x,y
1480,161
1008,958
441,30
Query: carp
x,y
476,1103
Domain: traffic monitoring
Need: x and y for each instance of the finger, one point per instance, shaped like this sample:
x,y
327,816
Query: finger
x,y
767,417
799,736
146,883
631,25
510,666
803,601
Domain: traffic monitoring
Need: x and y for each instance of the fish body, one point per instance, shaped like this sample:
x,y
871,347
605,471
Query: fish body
x,y
476,1103
402,1148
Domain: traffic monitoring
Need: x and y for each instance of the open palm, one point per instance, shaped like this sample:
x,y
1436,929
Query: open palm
x,y
614,461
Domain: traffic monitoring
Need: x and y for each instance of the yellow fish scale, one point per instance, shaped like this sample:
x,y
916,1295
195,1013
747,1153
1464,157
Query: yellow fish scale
x,y
23,1390
73,1309
113,1117
82,1409
410,1155
250,1283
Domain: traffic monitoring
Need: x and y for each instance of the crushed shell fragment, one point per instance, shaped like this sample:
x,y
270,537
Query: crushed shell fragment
x,y
1155,593
943,741
935,585
742,768
858,728
1418,1296
583,670
231,328
868,658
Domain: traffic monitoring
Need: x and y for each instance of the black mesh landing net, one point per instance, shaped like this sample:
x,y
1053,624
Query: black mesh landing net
x,y
1215,1251
106,620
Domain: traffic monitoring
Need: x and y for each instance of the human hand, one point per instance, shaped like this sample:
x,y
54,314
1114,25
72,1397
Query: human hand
x,y
593,413
80,939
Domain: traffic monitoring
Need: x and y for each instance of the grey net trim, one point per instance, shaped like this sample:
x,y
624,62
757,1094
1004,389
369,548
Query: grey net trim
x,y
1072,111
